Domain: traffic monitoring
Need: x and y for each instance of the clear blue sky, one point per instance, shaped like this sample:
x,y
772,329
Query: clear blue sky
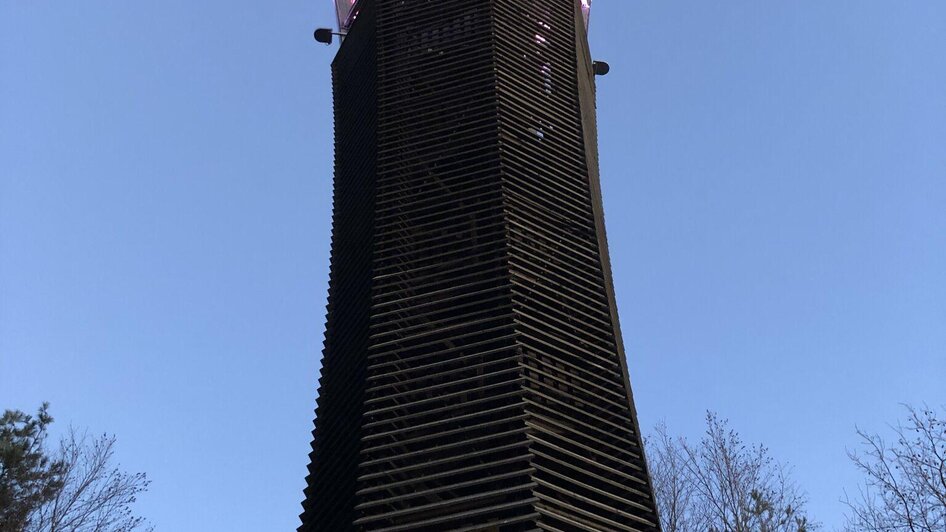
x,y
775,188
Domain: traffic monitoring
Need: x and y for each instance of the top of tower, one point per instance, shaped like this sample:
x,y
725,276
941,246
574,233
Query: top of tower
x,y
586,11
347,10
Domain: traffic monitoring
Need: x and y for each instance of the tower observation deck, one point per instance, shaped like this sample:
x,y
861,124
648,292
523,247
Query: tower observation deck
x,y
473,372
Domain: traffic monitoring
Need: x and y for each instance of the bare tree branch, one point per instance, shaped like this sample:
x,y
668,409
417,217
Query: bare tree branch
x,y
722,485
95,496
905,485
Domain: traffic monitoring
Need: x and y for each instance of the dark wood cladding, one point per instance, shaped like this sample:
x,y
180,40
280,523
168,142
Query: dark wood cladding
x,y
334,460
473,373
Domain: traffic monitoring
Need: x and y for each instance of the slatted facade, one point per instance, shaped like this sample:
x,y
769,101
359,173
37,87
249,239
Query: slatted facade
x,y
473,372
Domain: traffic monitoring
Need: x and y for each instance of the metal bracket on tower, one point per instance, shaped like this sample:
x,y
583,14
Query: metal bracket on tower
x,y
600,68
324,35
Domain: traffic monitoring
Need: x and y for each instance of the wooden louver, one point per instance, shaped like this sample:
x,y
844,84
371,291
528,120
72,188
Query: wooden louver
x,y
473,375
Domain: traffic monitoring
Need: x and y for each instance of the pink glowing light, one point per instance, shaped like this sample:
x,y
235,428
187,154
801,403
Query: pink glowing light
x,y
586,11
346,10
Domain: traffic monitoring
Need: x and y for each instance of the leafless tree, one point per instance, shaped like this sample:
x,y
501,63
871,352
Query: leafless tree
x,y
680,508
905,489
722,485
95,495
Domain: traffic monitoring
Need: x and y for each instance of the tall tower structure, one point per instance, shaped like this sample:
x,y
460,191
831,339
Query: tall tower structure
x,y
473,375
